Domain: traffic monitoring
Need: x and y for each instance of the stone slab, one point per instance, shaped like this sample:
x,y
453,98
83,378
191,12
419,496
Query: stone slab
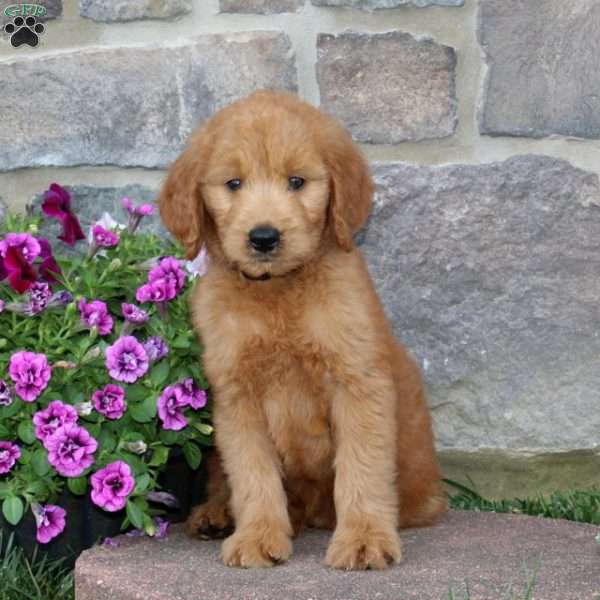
x,y
488,552
543,75
130,106
382,4
389,87
262,7
130,10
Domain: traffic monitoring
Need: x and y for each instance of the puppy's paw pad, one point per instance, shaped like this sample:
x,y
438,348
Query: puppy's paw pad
x,y
364,550
209,521
256,548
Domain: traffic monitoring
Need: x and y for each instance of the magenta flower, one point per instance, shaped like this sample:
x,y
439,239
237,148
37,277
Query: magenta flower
x,y
24,242
50,521
160,290
2,305
111,486
134,314
6,397
57,203
170,269
170,406
19,271
49,268
196,398
136,213
39,297
71,450
31,374
104,237
95,314
156,348
56,415
110,401
126,359
9,455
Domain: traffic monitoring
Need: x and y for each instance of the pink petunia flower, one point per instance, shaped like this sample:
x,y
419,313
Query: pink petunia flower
x,y
39,297
50,520
126,359
48,268
170,406
111,486
136,213
71,450
56,415
156,348
6,397
134,314
9,455
57,203
196,398
95,314
30,372
159,290
110,401
168,268
104,237
19,271
28,246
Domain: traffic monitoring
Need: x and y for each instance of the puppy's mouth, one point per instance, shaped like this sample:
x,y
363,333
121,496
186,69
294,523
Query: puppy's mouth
x,y
263,277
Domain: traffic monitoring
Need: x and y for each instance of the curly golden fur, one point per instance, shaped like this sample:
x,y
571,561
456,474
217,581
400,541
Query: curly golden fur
x,y
320,414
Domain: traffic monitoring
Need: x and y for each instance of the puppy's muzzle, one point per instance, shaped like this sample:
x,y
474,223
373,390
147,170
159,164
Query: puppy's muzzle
x,y
264,238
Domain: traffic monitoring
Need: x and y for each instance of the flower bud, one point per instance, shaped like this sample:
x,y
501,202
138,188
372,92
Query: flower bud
x,y
114,264
84,409
33,228
137,447
65,364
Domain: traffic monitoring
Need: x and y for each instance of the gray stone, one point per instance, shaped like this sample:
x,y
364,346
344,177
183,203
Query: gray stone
x,y
130,10
3,209
388,87
263,7
543,75
378,4
489,274
54,9
486,551
130,106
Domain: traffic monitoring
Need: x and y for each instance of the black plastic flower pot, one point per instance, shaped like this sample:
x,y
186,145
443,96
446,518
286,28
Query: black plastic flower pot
x,y
87,524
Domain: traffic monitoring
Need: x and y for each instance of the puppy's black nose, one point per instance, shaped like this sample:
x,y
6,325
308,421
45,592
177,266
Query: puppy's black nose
x,y
264,239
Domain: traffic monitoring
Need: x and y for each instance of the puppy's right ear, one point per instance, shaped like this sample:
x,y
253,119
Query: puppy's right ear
x,y
180,202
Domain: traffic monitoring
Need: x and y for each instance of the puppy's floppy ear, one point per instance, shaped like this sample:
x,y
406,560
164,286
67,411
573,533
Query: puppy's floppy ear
x,y
351,187
180,202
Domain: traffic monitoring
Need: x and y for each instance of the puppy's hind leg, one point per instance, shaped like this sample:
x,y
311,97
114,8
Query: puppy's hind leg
x,y
212,520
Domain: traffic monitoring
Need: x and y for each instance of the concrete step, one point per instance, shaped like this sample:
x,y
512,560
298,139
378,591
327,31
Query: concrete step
x,y
494,555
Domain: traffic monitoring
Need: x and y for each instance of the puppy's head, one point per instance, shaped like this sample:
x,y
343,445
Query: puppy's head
x,y
266,182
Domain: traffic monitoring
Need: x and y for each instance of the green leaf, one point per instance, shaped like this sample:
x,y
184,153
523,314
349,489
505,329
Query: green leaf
x,y
160,373
193,455
38,489
135,514
4,490
181,341
137,392
169,437
39,462
149,526
160,456
144,411
12,509
26,432
77,485
10,411
142,482
107,440
4,433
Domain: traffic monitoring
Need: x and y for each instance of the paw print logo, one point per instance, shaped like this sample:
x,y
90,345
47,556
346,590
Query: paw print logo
x,y
24,31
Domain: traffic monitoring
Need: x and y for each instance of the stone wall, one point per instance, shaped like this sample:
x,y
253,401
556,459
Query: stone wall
x,y
482,119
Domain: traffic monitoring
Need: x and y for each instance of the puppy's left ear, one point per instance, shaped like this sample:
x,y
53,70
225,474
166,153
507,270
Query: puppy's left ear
x,y
351,187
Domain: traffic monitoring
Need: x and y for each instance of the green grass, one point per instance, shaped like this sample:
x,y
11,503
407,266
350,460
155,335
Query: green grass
x,y
35,579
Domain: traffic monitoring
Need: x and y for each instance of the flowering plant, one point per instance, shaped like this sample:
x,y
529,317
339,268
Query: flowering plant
x,y
99,373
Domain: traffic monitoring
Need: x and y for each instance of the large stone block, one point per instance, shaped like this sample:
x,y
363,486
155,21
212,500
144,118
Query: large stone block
x,y
543,75
263,7
130,106
388,87
489,274
130,10
378,4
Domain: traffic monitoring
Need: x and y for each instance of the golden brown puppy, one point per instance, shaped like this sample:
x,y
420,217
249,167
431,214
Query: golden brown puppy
x,y
319,413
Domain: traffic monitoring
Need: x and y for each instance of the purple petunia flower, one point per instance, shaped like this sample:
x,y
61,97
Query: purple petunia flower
x,y
29,247
168,268
159,290
136,213
56,415
6,397
163,498
95,314
71,450
134,314
111,486
57,203
50,521
2,305
196,398
170,406
110,401
9,455
104,237
61,298
49,267
39,297
156,348
30,372
126,359
20,273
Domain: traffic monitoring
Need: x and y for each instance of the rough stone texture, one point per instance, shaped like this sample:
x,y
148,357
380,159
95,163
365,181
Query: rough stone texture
x,y
489,552
388,87
489,274
54,9
2,210
130,106
543,75
130,10
377,4
263,7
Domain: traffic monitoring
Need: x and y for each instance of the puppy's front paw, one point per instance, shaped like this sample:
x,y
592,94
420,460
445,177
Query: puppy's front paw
x,y
360,548
262,545
209,521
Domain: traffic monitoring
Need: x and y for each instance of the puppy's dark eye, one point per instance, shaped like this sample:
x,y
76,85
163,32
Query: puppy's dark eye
x,y
295,183
234,184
